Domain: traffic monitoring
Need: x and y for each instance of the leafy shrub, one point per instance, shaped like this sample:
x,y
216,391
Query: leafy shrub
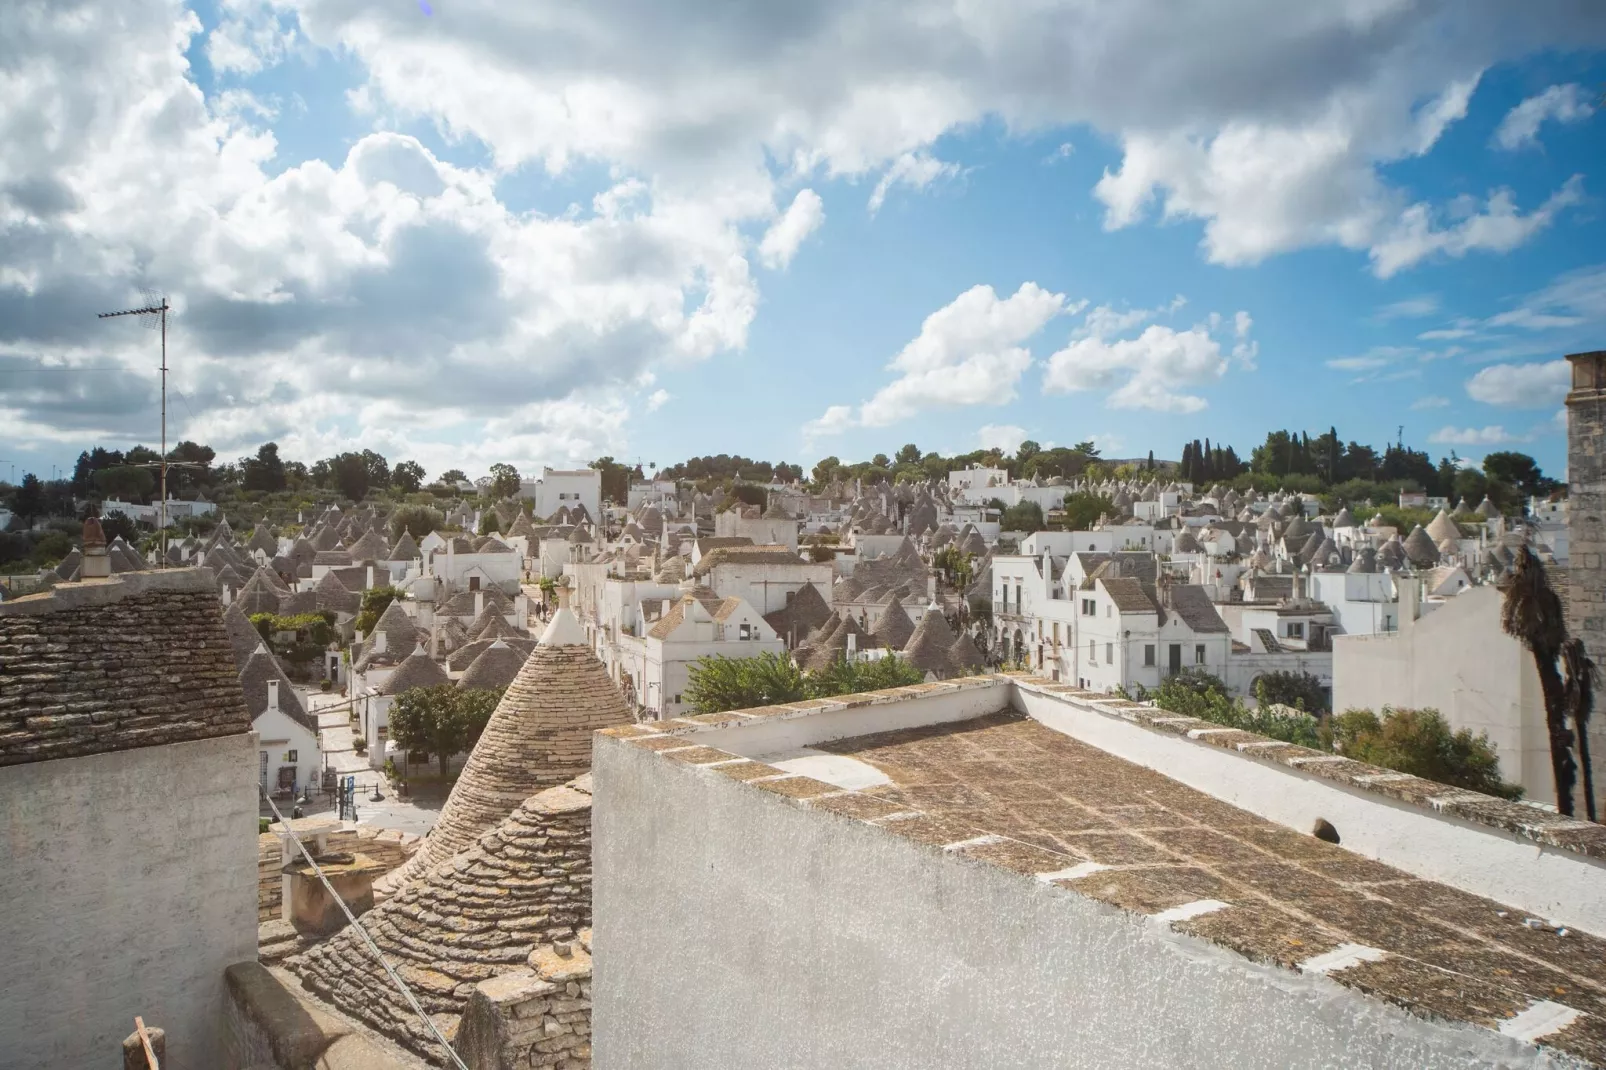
x,y
1421,742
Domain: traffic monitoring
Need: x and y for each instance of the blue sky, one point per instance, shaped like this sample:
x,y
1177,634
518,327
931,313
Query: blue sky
x,y
382,228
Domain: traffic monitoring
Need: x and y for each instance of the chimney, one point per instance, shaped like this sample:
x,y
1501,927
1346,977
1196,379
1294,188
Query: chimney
x,y
273,696
564,595
853,645
380,644
479,604
521,611
434,642
96,565
228,597
370,584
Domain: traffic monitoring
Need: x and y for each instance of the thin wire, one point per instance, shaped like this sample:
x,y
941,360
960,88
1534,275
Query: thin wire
x,y
401,986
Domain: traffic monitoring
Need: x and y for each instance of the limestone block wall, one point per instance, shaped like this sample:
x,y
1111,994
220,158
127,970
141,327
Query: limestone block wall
x,y
533,1019
130,885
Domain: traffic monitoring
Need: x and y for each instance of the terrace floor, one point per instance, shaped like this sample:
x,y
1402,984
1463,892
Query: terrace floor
x,y
1010,791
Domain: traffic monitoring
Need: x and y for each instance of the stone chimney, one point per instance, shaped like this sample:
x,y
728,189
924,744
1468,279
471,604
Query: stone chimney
x,y
273,696
96,565
369,585
1586,523
564,595
379,642
479,604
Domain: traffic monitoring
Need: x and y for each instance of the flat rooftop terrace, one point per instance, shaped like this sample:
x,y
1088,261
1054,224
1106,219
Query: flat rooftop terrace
x,y
1452,906
1005,789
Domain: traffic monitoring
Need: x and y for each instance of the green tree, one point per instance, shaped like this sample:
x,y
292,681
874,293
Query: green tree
x,y
1520,471
265,471
1083,509
1421,743
1300,690
844,677
615,479
378,470
504,480
454,476
374,602
125,484
408,477
350,473
718,683
825,471
443,720
29,501
490,522
953,562
416,520
1024,516
908,454
1087,449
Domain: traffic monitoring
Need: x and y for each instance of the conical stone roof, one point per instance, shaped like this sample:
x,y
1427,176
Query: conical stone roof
x,y
1487,509
1442,527
523,885
496,667
894,628
929,645
1419,548
243,638
1365,560
964,656
1344,519
539,737
417,669
822,654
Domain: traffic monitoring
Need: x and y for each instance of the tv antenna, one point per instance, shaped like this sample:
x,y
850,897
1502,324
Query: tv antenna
x,y
154,315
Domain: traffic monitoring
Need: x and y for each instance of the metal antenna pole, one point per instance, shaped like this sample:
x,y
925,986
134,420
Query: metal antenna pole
x,y
157,306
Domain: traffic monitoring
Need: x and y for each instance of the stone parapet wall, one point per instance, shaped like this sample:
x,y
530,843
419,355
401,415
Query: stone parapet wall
x,y
1586,526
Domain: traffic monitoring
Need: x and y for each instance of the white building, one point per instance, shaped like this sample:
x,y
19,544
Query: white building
x,y
976,485
1456,660
565,488
654,665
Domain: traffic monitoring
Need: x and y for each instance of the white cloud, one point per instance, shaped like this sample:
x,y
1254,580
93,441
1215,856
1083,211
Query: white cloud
x,y
250,37
412,278
657,399
1473,436
1500,228
781,242
1064,152
1432,401
1521,386
1560,103
970,352
917,170
1145,372
1003,437
1410,308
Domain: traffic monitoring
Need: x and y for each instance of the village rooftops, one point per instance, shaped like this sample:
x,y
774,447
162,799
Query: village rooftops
x,y
1484,920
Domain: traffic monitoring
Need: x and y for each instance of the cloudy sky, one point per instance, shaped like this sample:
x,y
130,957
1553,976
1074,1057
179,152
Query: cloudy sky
x,y
469,231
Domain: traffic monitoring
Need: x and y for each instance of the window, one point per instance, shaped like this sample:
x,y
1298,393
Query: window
x,y
1056,633
1109,653
1296,629
1109,611
1199,654
745,632
1017,598
1092,652
290,756
1089,607
473,583
677,700
789,596
1148,655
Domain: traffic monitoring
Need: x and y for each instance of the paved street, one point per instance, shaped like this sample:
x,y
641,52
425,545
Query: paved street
x,y
416,814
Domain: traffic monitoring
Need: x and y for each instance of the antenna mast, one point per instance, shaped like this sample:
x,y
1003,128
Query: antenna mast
x,y
157,306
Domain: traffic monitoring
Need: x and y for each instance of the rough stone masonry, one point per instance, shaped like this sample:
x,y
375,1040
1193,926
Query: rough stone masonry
x,y
1586,525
